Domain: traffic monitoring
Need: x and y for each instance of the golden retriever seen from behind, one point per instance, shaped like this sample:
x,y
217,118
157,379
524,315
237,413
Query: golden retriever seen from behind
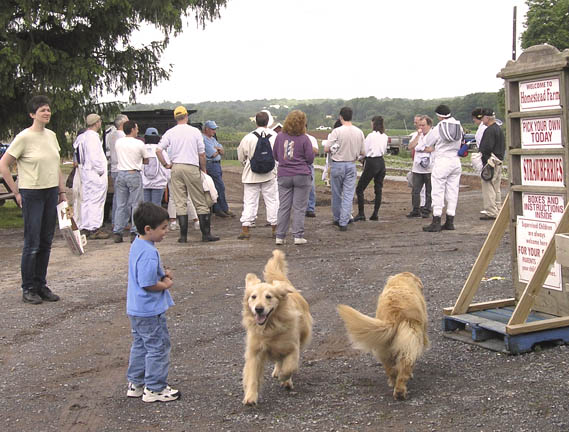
x,y
278,323
397,336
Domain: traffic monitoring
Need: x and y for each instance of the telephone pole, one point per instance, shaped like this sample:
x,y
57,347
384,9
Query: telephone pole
x,y
514,35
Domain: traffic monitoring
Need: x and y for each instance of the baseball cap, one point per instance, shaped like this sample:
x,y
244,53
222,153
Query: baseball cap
x,y
210,124
180,110
151,131
92,119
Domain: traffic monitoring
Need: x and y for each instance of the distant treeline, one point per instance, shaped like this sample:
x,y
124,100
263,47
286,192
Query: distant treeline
x,y
398,113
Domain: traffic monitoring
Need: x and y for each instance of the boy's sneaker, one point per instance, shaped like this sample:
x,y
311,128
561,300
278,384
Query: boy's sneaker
x,y
134,391
168,394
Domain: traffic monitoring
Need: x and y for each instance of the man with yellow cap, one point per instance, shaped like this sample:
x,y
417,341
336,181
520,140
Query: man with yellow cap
x,y
186,149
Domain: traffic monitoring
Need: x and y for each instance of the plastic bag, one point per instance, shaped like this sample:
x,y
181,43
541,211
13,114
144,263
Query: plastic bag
x,y
476,160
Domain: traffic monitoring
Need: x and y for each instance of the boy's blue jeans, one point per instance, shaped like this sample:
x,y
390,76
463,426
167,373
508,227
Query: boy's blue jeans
x,y
150,352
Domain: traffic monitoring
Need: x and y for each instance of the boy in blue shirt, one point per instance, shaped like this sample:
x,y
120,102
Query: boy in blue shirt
x,y
147,300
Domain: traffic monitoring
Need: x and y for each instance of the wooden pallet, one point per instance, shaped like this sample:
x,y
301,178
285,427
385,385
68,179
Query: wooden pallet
x,y
487,328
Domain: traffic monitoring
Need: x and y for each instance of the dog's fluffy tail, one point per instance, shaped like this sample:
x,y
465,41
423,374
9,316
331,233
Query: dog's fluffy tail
x,y
410,342
276,268
366,333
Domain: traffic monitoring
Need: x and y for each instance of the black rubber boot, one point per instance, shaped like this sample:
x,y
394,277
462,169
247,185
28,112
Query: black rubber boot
x,y
205,227
360,217
435,226
183,224
376,205
449,223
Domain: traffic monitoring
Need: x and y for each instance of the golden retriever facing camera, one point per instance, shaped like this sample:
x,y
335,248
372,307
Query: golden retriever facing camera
x,y
278,323
397,336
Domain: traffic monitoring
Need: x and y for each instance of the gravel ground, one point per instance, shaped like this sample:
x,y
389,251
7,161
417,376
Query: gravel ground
x,y
63,365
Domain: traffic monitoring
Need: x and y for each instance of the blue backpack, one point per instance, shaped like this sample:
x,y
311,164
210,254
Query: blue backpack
x,y
262,161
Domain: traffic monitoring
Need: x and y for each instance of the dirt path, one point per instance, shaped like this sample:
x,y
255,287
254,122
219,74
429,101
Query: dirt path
x,y
63,365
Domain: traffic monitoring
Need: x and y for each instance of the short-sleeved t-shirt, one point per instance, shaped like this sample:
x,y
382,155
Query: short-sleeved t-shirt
x,y
184,144
37,156
130,154
145,270
210,148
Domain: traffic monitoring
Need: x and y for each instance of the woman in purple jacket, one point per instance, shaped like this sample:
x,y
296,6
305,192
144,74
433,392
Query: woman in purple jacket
x,y
294,154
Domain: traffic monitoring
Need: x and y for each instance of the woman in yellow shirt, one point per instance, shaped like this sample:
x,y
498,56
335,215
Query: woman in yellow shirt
x,y
40,188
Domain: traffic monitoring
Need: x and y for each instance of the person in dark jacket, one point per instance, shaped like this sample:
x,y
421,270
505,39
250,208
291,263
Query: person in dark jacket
x,y
493,148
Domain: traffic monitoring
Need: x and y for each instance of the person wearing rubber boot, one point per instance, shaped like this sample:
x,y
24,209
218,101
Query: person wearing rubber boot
x,y
445,177
213,153
374,167
187,152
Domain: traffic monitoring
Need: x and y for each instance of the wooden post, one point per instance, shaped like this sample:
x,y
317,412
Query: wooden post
x,y
484,257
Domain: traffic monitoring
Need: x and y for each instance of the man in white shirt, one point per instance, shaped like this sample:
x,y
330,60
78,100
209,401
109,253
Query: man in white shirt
x,y
94,179
422,166
345,144
131,155
445,176
186,149
255,184
112,138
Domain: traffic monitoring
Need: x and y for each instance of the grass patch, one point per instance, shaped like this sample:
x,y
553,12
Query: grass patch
x,y
11,215
228,162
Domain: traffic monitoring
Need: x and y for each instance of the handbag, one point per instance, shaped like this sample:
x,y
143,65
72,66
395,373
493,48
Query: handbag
x,y
476,160
70,177
487,172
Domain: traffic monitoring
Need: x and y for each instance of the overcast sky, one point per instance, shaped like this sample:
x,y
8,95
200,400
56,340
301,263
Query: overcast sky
x,y
306,49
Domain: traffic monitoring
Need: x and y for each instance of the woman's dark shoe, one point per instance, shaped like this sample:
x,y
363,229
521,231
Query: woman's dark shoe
x,y
46,294
31,297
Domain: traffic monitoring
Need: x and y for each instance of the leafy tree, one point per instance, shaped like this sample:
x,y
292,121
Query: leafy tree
x,y
547,21
76,50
